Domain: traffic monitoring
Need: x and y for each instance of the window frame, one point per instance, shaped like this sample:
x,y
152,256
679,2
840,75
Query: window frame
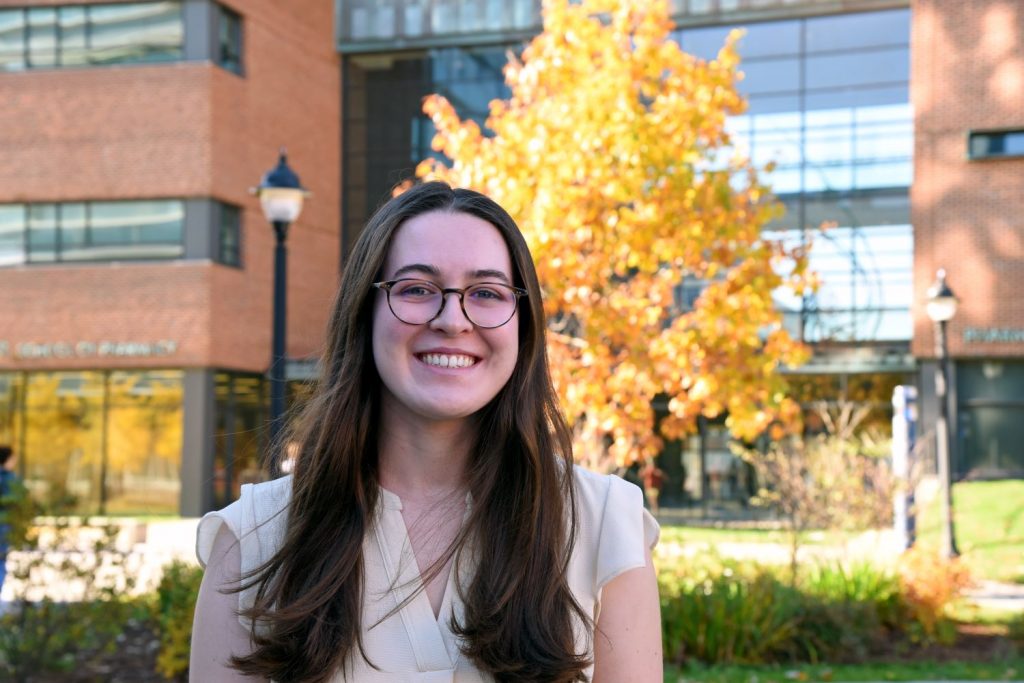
x,y
232,22
87,231
1002,134
88,57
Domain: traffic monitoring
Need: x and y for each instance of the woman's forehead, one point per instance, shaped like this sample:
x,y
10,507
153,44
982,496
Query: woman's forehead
x,y
448,243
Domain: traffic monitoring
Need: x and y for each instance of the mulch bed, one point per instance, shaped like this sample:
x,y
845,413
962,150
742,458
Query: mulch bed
x,y
978,643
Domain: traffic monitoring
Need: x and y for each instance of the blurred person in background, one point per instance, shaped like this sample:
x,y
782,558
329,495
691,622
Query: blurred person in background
x,y
11,493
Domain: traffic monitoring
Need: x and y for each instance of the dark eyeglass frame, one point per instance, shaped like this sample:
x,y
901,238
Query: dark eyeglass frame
x,y
518,292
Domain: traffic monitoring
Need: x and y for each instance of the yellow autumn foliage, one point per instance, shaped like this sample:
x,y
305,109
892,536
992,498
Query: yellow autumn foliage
x,y
612,155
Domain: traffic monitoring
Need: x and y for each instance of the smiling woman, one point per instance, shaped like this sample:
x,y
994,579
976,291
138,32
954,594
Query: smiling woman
x,y
435,528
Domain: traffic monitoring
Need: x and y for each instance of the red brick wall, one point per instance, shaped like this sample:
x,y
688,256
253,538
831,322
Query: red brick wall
x,y
968,74
180,130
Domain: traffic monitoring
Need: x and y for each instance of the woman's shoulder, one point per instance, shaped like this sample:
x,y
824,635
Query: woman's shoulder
x,y
595,492
257,519
614,529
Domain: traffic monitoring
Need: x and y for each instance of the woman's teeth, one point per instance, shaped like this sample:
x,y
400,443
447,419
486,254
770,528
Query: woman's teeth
x,y
446,361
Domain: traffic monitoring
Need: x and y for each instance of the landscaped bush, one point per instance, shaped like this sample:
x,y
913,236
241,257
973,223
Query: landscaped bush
x,y
928,586
726,612
848,611
174,608
1015,630
716,611
41,633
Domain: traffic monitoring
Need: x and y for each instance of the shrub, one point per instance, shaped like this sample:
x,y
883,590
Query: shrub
x,y
928,585
726,614
848,611
1015,629
40,634
174,608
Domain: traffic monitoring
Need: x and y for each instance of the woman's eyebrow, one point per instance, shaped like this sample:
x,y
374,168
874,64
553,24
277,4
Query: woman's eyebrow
x,y
423,268
488,273
434,271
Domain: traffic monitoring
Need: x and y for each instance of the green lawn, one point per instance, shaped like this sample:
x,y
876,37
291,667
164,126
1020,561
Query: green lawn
x,y
989,520
989,523
713,535
1002,671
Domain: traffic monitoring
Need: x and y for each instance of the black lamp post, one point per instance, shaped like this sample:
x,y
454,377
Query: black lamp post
x,y
941,307
281,195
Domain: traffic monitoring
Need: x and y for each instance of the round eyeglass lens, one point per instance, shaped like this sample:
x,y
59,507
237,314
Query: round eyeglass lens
x,y
418,301
489,305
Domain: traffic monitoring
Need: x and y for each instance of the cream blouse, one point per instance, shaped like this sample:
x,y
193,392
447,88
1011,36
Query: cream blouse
x,y
413,645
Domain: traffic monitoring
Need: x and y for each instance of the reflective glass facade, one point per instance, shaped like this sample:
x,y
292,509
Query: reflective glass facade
x,y
829,105
90,442
385,131
432,20
240,416
83,35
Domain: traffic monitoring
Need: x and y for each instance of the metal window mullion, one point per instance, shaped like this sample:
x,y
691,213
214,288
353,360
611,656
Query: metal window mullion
x,y
58,39
26,37
87,31
58,229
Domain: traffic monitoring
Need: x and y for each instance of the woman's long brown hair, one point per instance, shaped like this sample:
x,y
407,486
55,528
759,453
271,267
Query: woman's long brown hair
x,y
519,612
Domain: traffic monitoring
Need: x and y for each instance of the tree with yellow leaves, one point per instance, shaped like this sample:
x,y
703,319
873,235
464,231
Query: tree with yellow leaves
x,y
612,155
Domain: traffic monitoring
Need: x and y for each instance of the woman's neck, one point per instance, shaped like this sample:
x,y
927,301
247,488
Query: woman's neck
x,y
422,460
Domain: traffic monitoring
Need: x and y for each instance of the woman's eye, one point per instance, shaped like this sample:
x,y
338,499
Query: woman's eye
x,y
487,294
416,290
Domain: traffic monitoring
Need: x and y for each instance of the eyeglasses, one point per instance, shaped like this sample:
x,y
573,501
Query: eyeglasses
x,y
417,302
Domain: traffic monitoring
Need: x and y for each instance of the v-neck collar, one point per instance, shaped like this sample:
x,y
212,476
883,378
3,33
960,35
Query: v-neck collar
x,y
434,646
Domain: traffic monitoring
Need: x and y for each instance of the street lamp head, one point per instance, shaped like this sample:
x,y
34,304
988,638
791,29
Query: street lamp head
x,y
942,303
280,192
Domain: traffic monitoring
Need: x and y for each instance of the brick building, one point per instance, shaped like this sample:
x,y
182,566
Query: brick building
x,y
135,269
967,85
135,314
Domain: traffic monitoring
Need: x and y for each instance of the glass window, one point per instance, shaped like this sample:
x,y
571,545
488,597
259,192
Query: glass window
x,y
42,36
890,65
991,439
138,32
42,232
11,392
73,35
1005,143
63,440
73,45
12,39
98,442
143,451
867,278
895,95
229,235
229,32
240,405
770,76
73,229
770,39
858,30
146,229
12,234
76,231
